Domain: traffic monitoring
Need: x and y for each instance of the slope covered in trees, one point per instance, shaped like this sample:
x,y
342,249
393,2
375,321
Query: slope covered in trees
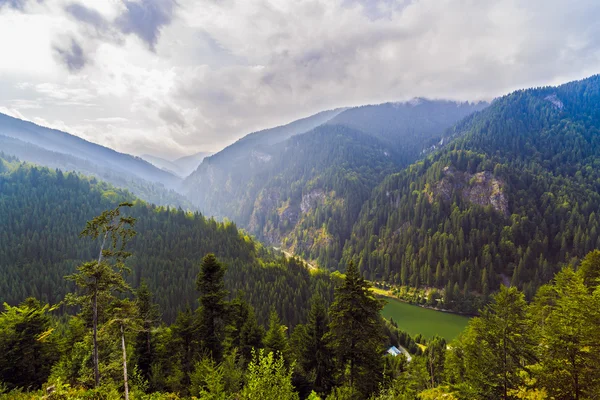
x,y
57,149
515,350
43,211
304,193
510,200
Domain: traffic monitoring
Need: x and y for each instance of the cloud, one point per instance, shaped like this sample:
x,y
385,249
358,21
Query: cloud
x,y
218,69
171,116
71,54
145,19
89,16
16,4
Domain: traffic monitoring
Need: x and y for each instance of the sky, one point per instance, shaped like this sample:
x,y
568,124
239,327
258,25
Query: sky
x,y
175,77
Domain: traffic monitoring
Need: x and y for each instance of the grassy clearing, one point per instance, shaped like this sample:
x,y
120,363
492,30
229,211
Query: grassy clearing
x,y
415,319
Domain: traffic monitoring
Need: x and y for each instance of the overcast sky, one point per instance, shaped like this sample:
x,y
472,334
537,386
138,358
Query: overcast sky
x,y
171,78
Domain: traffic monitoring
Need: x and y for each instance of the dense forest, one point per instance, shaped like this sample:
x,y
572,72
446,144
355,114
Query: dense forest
x,y
43,211
305,192
511,200
116,345
148,190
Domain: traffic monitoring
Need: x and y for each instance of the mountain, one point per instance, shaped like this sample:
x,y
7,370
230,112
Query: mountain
x,y
511,200
304,191
43,211
407,126
57,149
161,163
188,164
181,167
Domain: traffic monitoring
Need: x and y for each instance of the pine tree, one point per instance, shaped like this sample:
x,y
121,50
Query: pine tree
x,y
245,333
97,280
356,333
499,344
311,346
275,340
213,306
149,316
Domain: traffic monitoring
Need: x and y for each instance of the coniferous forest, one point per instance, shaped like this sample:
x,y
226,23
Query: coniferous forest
x,y
106,296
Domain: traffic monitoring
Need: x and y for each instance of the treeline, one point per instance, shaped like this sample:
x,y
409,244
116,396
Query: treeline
x,y
42,212
510,201
117,346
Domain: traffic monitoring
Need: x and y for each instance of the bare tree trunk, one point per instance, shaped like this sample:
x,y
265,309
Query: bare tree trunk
x,y
95,319
95,322
124,363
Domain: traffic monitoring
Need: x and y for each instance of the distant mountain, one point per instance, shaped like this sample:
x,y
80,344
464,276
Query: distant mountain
x,y
302,185
181,167
161,163
57,149
188,164
511,200
267,137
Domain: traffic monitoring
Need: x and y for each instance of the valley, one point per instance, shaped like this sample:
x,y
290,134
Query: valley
x,y
268,249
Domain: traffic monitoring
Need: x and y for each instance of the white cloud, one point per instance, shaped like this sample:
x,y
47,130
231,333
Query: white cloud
x,y
198,75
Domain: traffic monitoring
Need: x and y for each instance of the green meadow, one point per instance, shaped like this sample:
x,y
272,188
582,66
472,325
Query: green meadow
x,y
415,319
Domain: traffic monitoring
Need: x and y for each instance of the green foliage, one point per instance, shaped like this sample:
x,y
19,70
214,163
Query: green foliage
x,y
28,345
268,378
304,192
311,348
42,213
212,306
356,333
510,200
275,339
208,381
569,337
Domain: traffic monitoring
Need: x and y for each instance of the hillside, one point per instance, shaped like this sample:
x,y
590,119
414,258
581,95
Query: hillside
x,y
305,192
511,200
181,167
42,212
57,149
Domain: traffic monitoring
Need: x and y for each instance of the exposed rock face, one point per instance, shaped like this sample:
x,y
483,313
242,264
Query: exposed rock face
x,y
268,200
555,101
312,199
260,156
482,189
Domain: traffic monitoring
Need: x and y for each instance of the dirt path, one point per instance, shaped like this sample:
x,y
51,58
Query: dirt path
x,y
290,255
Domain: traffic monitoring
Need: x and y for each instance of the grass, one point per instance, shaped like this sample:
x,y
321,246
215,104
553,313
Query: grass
x,y
415,319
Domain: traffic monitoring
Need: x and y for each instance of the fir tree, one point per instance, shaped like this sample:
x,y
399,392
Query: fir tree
x,y
275,340
213,306
356,333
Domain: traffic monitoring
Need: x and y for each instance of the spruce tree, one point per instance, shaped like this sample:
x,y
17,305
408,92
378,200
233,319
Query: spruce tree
x,y
356,333
499,344
213,306
275,340
311,346
149,316
245,333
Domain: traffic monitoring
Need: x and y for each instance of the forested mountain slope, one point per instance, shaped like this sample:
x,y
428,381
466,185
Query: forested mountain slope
x,y
42,213
407,127
305,192
511,200
53,148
